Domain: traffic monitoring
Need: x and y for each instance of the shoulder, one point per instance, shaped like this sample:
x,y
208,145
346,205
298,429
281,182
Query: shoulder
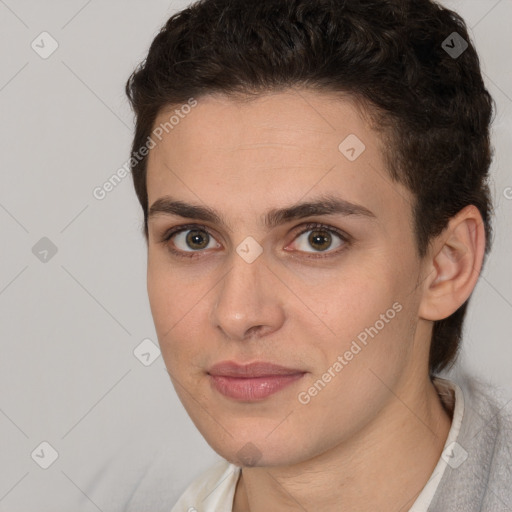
x,y
211,491
480,479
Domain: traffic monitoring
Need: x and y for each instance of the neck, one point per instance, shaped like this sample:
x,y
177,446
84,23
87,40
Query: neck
x,y
384,468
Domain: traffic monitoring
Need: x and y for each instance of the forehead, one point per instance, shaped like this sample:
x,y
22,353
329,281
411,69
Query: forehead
x,y
272,150
289,120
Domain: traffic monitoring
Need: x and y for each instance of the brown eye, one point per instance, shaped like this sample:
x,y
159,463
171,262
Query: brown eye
x,y
187,241
320,239
197,239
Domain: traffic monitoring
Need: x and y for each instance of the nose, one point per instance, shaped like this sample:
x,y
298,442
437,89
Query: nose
x,y
248,301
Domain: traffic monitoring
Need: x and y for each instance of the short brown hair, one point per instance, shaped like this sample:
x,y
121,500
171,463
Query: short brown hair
x,y
393,55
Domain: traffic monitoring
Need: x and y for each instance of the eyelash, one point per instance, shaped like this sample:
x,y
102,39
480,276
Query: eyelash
x,y
306,227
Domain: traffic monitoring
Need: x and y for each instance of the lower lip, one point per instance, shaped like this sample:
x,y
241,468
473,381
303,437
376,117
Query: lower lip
x,y
252,389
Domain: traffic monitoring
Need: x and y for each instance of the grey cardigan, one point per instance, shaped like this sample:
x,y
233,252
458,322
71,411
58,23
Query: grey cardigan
x,y
483,483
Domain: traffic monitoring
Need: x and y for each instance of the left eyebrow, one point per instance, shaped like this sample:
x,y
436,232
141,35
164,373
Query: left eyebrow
x,y
322,205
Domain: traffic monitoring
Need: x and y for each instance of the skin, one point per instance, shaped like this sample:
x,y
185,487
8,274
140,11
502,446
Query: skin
x,y
370,439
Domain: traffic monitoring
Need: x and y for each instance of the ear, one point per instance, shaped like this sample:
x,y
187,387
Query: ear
x,y
453,265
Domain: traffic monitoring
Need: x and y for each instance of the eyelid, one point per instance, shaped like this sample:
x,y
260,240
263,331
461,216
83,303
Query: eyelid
x,y
183,227
322,226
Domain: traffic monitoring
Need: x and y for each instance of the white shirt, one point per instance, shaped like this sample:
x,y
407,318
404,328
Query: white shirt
x,y
214,490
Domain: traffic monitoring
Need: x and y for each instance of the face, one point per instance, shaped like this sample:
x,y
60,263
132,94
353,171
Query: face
x,y
336,301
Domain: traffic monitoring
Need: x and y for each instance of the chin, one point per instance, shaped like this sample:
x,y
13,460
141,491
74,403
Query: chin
x,y
254,453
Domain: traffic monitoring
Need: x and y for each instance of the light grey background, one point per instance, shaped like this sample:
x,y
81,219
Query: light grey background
x,y
69,326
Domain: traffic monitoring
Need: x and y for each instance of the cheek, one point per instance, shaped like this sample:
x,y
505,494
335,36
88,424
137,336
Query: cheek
x,y
159,286
345,298
372,346
168,313
177,304
369,303
171,294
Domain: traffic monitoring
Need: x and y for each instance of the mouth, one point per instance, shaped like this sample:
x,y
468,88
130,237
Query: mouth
x,y
251,382
251,370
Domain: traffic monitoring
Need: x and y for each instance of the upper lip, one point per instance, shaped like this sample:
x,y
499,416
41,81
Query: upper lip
x,y
256,369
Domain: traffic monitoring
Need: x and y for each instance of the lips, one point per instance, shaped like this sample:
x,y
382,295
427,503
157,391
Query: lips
x,y
252,370
251,382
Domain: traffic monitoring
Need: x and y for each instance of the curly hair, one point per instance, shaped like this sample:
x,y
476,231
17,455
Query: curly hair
x,y
431,106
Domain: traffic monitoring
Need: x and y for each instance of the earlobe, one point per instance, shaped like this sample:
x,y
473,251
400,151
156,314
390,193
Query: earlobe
x,y
456,260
